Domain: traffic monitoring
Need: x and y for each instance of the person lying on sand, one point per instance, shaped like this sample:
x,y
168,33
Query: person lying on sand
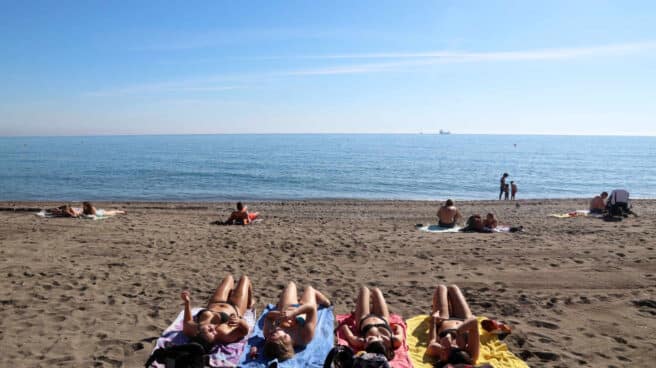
x,y
239,217
374,334
490,221
448,215
64,211
598,203
89,209
292,323
222,321
453,334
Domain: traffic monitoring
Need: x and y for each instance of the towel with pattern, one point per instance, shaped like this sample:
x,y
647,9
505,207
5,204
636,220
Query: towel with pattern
x,y
222,355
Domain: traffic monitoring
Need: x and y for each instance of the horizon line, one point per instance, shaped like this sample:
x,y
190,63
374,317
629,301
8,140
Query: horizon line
x,y
323,133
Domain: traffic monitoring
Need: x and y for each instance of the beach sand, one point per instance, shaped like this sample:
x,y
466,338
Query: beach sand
x,y
82,293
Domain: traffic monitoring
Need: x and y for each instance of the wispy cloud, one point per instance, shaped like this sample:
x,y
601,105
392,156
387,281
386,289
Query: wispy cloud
x,y
378,62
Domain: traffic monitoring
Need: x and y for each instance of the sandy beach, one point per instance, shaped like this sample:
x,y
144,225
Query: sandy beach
x,y
82,293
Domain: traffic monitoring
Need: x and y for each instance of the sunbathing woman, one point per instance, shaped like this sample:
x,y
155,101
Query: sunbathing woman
x,y
291,324
89,209
64,211
373,334
454,331
222,322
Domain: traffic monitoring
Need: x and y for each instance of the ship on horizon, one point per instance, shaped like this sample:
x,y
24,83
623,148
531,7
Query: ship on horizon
x,y
444,132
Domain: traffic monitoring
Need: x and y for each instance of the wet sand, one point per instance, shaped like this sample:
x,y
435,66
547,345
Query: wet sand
x,y
82,293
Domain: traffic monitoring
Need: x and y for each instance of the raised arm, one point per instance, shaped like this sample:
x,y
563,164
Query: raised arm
x,y
434,346
354,341
310,311
398,336
469,330
189,327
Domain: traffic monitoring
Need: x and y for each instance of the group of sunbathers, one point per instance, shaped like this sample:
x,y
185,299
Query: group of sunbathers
x,y
454,336
87,209
449,216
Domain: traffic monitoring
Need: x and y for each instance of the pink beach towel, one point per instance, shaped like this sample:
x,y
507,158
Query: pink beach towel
x,y
401,358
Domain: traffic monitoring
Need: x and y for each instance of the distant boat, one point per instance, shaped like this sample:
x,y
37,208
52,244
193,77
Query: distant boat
x,y
444,132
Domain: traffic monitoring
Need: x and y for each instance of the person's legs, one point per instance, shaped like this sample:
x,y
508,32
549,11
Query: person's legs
x,y
459,305
241,296
379,304
309,296
362,306
441,301
288,297
222,292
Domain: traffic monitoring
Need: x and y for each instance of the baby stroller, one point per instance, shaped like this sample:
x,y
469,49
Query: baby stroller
x,y
618,204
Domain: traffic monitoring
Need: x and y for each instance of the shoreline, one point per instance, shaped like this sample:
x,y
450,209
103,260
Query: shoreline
x,y
99,292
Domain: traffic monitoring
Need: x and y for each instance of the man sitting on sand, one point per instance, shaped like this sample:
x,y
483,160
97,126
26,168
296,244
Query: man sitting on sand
x,y
448,215
241,216
598,203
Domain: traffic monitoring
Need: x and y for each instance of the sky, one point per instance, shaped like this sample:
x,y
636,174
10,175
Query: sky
x,y
217,67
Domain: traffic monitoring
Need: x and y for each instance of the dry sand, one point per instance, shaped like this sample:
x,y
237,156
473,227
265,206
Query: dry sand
x,y
83,293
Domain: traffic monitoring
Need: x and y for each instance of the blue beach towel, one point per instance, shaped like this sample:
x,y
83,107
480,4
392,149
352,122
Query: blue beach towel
x,y
312,355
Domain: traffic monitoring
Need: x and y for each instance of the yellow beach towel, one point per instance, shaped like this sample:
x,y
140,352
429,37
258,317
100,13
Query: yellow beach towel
x,y
492,350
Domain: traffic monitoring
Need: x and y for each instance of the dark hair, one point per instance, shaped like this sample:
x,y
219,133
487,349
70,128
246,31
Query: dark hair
x,y
449,202
511,182
459,356
240,206
604,194
277,349
505,174
377,347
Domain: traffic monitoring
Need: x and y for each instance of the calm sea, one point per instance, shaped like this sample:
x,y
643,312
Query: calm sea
x,y
250,167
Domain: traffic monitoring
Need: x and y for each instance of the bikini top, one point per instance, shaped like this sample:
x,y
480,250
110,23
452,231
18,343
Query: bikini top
x,y
364,329
223,316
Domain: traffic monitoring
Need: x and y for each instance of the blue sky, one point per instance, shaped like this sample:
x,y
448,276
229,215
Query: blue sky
x,y
494,67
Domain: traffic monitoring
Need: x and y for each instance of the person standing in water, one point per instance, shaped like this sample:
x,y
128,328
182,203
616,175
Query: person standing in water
x,y
502,184
513,190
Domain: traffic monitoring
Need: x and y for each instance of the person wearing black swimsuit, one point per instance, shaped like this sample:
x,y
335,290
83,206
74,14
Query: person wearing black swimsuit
x,y
454,332
373,332
222,321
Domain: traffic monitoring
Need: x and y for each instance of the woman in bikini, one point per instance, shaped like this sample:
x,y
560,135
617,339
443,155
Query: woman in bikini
x,y
222,321
89,209
454,331
292,323
374,334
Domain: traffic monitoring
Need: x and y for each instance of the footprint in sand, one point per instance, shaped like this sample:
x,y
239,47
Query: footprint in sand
x,y
544,324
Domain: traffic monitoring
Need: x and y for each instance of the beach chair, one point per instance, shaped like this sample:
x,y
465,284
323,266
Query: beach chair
x,y
618,204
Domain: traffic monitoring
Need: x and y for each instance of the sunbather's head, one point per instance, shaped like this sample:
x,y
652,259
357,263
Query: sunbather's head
x,y
604,195
458,356
379,347
208,332
279,345
87,208
240,206
490,216
448,203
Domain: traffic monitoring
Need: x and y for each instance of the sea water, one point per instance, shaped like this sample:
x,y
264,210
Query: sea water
x,y
318,166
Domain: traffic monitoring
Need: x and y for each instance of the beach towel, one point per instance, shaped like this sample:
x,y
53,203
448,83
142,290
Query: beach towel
x,y
492,350
439,229
100,214
577,213
401,358
223,355
313,355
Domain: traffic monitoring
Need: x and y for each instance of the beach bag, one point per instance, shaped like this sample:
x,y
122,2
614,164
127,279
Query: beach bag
x,y
191,355
343,357
618,204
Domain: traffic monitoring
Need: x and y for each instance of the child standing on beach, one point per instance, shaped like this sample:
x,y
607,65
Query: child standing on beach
x,y
513,190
